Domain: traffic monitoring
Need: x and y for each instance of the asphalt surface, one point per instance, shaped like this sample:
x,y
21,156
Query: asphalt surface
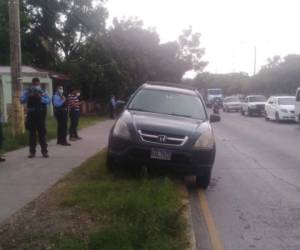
x,y
254,196
23,179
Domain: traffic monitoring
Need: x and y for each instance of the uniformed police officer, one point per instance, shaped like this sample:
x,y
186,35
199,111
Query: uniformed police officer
x,y
61,115
1,137
37,100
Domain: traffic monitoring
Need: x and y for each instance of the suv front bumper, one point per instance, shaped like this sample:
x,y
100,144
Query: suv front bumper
x,y
187,162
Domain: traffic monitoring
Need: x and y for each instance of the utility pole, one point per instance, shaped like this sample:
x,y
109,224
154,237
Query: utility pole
x,y
254,67
15,63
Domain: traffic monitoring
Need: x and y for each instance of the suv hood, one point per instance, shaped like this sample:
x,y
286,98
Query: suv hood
x,y
257,103
288,107
164,124
233,103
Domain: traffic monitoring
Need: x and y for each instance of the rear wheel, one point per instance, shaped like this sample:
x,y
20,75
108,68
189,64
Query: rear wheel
x,y
203,180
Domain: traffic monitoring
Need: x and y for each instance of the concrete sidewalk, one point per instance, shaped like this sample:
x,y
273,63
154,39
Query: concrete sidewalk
x,y
23,179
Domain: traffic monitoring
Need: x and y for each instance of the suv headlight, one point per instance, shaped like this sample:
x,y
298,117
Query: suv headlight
x,y
252,106
121,130
205,140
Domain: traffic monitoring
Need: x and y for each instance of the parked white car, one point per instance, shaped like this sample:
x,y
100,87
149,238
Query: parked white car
x,y
297,106
253,104
280,108
231,103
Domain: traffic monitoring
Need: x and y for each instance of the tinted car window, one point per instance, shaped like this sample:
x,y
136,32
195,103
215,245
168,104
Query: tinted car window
x,y
257,99
167,102
286,101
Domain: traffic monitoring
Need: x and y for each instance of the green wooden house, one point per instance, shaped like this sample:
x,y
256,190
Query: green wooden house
x,y
27,74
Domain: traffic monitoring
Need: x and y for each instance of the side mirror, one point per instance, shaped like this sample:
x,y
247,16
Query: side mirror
x,y
214,118
120,105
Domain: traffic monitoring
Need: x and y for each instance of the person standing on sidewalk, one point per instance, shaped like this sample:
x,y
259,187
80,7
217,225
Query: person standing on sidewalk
x,y
112,106
61,115
74,108
37,100
1,137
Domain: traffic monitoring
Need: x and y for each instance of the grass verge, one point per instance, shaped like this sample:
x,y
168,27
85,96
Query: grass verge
x,y
93,209
12,143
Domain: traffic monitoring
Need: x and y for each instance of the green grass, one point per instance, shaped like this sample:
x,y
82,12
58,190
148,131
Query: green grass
x,y
132,213
12,143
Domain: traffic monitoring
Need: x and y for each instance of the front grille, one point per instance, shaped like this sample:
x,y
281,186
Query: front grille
x,y
163,139
260,106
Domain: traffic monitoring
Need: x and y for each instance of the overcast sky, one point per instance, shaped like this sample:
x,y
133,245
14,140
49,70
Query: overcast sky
x,y
230,28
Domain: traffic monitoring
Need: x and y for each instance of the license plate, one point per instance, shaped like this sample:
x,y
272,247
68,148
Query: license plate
x,y
161,154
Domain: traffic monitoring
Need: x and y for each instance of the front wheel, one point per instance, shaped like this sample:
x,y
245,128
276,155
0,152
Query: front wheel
x,y
111,163
203,180
249,113
277,118
266,117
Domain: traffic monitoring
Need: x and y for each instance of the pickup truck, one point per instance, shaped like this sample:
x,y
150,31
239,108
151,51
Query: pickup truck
x,y
253,104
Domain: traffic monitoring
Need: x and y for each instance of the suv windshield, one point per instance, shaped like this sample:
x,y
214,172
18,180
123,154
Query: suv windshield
x,y
259,98
167,102
286,101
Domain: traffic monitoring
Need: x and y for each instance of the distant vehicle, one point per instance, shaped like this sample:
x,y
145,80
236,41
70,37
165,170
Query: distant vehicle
x,y
167,126
232,103
297,106
212,94
253,104
280,108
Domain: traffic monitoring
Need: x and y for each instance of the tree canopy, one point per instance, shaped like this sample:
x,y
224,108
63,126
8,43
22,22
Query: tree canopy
x,y
72,36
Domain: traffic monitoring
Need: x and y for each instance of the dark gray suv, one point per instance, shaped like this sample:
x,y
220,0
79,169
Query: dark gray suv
x,y
164,125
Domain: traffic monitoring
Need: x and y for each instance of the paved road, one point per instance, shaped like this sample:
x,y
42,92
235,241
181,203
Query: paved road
x,y
254,198
23,179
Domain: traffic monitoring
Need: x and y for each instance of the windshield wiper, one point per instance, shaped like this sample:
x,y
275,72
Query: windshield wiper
x,y
137,109
187,116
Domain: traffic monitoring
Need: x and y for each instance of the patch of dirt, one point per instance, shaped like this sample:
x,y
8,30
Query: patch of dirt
x,y
43,218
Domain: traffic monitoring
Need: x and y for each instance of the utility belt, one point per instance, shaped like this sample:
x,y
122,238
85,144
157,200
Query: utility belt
x,y
60,109
37,109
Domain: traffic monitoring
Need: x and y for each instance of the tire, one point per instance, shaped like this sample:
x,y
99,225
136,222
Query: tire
x,y
266,117
277,119
202,181
242,112
299,120
249,113
111,163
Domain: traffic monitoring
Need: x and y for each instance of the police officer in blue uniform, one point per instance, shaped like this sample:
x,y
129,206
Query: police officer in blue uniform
x,y
37,100
1,137
61,115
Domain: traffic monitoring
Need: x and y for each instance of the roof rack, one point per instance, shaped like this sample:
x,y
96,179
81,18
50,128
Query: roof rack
x,y
175,85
